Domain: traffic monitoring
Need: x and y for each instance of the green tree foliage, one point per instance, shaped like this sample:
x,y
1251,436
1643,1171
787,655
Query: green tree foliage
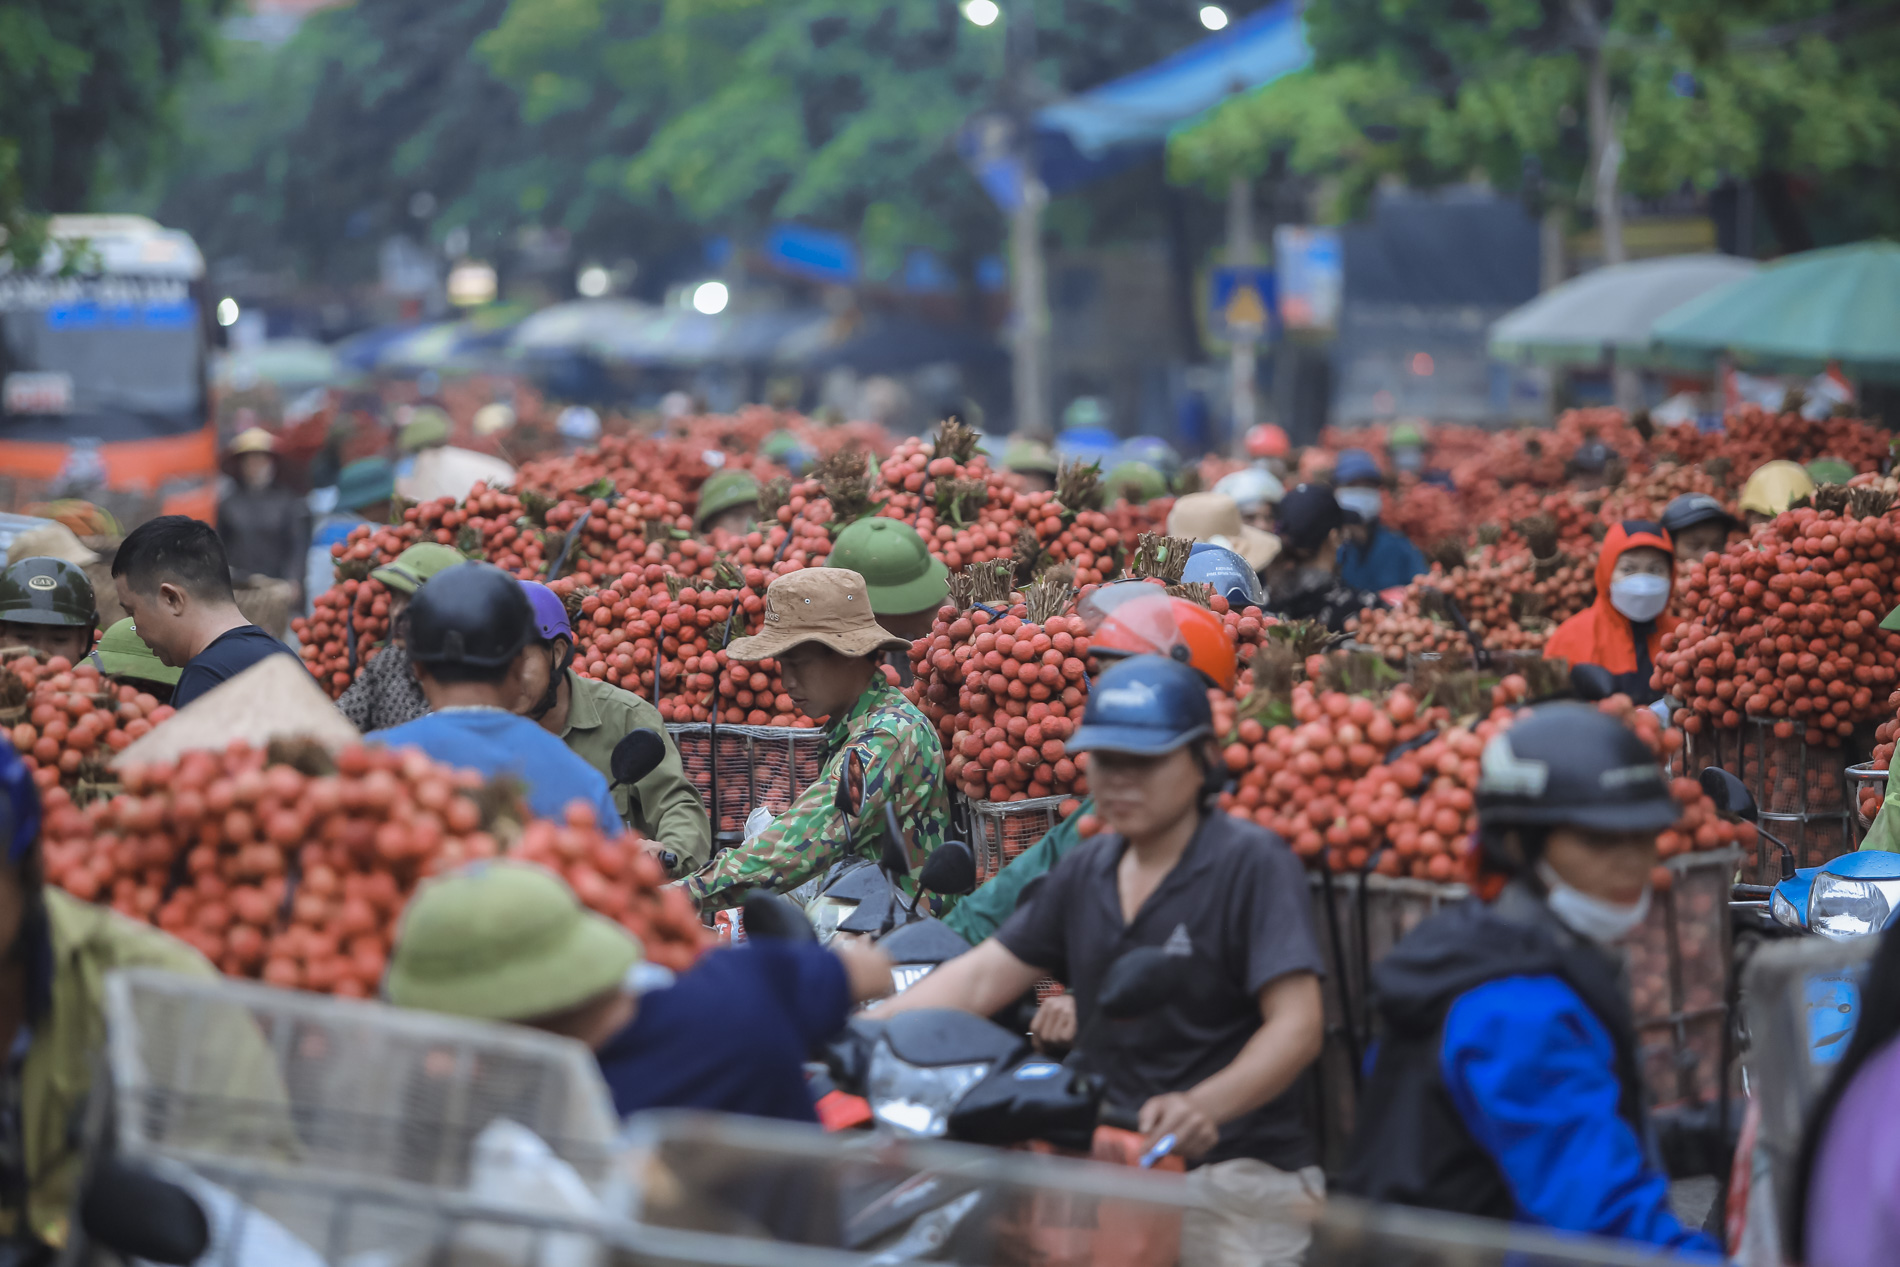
x,y
636,125
1705,91
86,84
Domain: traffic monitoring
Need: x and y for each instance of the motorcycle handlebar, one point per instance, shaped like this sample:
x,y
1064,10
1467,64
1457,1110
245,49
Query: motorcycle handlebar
x,y
1119,1118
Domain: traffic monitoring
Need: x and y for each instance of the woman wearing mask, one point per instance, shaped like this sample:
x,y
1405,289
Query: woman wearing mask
x,y
1505,1084
1623,629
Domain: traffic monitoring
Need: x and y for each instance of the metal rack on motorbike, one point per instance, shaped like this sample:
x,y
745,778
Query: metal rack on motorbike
x,y
316,1130
735,769
1358,917
1801,790
1866,790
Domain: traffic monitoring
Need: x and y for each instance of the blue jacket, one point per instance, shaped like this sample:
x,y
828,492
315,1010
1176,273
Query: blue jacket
x,y
1387,560
732,1034
1530,1069
1507,1083
496,742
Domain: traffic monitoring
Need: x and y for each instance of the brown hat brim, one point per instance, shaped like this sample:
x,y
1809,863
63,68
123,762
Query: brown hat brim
x,y
1257,546
773,643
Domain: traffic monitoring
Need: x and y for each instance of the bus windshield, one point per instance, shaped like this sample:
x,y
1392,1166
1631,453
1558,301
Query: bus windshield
x,y
113,357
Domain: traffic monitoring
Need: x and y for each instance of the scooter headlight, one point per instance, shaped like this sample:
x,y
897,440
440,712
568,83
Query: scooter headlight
x,y
906,975
1843,907
917,1099
1784,911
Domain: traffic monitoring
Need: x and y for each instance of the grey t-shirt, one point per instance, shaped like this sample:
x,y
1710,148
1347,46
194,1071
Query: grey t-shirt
x,y
1236,908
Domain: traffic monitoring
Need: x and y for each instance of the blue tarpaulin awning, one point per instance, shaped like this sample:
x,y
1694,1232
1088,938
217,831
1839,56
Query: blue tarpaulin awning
x,y
1143,108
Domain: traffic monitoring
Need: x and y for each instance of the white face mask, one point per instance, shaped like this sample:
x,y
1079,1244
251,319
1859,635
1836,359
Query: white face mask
x,y
1640,596
1588,916
1366,503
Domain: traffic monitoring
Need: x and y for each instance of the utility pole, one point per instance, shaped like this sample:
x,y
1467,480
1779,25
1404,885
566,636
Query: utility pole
x,y
1606,161
1029,286
1240,253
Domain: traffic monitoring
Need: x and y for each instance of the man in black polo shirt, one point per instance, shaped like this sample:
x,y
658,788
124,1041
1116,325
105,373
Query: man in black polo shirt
x,y
1214,1068
172,577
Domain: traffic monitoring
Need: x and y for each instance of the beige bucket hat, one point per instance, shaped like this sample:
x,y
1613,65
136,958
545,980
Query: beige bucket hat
x,y
828,605
1215,517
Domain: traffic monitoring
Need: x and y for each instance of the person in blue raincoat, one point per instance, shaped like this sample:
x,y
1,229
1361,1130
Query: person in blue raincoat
x,y
1505,1083
1380,559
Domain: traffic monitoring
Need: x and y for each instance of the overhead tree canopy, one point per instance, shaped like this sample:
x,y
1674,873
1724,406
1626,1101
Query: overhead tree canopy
x,y
1705,92
86,84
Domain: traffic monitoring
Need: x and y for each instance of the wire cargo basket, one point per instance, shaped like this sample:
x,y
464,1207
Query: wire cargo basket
x,y
1789,775
1814,841
1866,789
1678,963
1000,830
758,765
352,1125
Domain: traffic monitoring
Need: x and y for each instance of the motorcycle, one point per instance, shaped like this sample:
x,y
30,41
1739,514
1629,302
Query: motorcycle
x,y
944,1074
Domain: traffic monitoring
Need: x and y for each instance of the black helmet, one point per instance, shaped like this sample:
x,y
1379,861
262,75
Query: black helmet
x,y
1691,509
47,591
474,615
1569,765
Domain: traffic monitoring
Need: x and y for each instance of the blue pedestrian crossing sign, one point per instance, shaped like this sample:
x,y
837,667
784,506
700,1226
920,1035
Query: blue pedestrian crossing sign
x,y
1240,303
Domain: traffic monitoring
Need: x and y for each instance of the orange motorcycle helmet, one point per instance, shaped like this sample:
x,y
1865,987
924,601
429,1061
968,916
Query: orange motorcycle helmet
x,y
1129,618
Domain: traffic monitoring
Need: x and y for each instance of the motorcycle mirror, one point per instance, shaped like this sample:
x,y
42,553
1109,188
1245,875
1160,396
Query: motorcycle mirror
x,y
774,918
1730,794
1591,682
1138,983
950,869
139,1215
896,863
637,755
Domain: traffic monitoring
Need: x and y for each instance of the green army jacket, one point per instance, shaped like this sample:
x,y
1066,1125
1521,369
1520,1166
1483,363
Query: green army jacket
x,y
88,942
895,748
664,807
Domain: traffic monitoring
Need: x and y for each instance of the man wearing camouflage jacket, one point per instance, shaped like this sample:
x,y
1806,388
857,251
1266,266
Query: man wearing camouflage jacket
x,y
820,628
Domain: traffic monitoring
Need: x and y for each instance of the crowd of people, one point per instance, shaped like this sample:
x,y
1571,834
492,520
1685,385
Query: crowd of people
x,y
1505,1084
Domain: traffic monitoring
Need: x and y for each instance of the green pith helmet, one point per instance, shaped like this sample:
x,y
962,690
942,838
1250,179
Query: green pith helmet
x,y
1137,481
427,426
900,574
724,490
504,941
365,483
1830,471
1029,455
408,570
1892,622
1084,411
1406,436
122,653
47,591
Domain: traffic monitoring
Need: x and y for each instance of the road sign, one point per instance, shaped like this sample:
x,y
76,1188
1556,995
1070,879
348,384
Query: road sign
x,y
1240,303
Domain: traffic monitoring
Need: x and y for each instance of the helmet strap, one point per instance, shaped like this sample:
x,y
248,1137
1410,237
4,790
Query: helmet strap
x,y
551,696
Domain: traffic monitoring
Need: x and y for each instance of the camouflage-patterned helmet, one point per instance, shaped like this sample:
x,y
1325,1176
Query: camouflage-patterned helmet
x,y
47,591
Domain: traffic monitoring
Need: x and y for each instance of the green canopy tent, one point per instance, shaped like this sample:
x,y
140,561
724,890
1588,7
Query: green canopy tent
x,y
1839,305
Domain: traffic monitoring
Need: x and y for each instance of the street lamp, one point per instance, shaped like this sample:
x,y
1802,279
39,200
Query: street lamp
x,y
227,311
982,12
710,298
1213,17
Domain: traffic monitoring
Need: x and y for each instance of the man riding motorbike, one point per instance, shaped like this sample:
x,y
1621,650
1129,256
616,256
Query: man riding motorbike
x,y
879,749
1505,1083
591,717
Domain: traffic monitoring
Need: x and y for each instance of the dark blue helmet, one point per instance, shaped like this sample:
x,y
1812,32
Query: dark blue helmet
x,y
1227,572
1146,706
19,806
